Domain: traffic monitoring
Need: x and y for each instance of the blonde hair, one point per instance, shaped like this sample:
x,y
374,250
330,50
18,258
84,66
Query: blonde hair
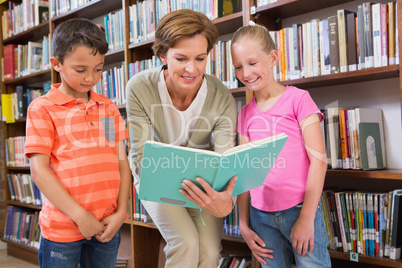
x,y
256,32
183,23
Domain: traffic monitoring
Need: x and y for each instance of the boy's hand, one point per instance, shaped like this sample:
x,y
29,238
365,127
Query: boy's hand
x,y
89,226
256,245
112,224
302,235
216,203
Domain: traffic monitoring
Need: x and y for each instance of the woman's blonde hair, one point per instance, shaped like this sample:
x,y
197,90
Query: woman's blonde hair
x,y
255,32
183,23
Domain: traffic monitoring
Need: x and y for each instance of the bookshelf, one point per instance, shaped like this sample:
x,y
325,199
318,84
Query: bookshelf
x,y
141,242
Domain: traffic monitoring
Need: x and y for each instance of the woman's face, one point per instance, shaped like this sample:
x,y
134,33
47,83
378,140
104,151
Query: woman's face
x,y
186,63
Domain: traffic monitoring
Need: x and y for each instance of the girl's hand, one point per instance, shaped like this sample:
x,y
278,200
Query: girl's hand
x,y
302,235
256,245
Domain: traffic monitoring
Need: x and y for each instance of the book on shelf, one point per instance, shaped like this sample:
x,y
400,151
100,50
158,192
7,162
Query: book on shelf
x,y
334,44
9,62
34,57
395,236
165,166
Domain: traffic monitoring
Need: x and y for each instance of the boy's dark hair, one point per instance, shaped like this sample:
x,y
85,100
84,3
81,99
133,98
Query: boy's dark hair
x,y
75,32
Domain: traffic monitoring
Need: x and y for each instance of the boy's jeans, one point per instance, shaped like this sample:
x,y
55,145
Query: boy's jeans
x,y
274,229
87,253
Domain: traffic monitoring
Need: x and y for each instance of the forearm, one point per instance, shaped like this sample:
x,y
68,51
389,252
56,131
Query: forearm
x,y
55,192
125,182
244,209
314,186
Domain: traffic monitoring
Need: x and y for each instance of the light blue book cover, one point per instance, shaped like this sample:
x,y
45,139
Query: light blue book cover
x,y
165,166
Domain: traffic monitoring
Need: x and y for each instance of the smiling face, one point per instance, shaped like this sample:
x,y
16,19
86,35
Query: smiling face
x,y
186,63
253,65
80,71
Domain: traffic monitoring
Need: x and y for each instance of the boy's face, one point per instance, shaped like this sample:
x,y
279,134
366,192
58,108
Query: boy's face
x,y
253,65
79,72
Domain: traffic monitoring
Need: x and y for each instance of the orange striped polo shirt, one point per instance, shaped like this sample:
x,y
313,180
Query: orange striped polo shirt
x,y
80,140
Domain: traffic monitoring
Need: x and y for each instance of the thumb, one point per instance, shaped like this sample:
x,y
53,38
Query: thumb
x,y
231,184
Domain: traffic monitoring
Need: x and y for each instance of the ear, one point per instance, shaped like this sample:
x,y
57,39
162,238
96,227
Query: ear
x,y
163,58
274,56
55,63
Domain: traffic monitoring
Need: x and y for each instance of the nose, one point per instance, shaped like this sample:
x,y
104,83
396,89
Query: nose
x,y
190,66
89,77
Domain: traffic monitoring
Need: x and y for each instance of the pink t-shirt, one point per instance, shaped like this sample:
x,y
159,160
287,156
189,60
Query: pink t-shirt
x,y
285,185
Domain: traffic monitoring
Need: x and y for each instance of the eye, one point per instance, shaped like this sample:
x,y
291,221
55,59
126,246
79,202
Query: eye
x,y
200,59
180,59
99,70
253,63
238,67
80,71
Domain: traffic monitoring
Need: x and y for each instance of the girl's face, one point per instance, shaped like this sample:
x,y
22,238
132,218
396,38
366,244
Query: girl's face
x,y
253,65
186,63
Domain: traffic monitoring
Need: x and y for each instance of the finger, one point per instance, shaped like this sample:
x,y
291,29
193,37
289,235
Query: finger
x,y
259,241
311,245
260,259
205,185
193,190
231,185
190,195
299,247
304,248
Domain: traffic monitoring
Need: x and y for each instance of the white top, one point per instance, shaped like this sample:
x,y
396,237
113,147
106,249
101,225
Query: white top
x,y
180,123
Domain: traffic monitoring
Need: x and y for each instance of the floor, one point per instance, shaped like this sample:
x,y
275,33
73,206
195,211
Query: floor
x,y
11,262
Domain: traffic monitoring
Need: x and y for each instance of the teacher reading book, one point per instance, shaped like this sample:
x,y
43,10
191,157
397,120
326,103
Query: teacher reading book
x,y
179,104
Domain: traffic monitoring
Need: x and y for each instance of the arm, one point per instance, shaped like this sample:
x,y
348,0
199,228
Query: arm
x,y
113,222
55,192
253,241
303,231
218,204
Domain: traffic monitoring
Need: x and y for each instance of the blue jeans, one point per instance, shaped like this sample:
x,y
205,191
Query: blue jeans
x,y
87,253
274,229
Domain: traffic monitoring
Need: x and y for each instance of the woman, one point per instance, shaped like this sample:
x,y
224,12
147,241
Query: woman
x,y
178,104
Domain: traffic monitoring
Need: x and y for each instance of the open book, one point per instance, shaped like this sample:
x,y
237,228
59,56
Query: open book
x,y
165,166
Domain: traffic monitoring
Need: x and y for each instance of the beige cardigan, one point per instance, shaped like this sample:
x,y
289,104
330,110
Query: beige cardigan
x,y
215,129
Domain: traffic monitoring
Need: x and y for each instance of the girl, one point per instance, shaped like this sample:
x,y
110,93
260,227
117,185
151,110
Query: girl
x,y
285,219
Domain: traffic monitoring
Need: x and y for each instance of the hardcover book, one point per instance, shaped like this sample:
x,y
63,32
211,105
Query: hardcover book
x,y
165,166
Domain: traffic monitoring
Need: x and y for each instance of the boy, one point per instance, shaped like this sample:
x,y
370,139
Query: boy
x,y
75,145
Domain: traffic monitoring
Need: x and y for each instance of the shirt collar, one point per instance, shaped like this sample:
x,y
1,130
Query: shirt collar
x,y
59,98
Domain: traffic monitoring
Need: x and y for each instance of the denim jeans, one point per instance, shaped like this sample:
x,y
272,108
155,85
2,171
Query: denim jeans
x,y
87,253
274,229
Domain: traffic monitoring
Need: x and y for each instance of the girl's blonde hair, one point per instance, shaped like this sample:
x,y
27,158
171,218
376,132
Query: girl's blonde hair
x,y
183,23
255,32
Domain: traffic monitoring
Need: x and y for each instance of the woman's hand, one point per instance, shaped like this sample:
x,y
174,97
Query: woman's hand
x,y
216,203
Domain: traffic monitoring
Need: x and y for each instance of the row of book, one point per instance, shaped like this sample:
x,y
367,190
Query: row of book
x,y
23,189
139,211
354,138
20,17
219,64
22,226
231,222
364,223
138,66
24,59
145,15
113,30
347,41
15,105
15,152
112,84
59,7
233,261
